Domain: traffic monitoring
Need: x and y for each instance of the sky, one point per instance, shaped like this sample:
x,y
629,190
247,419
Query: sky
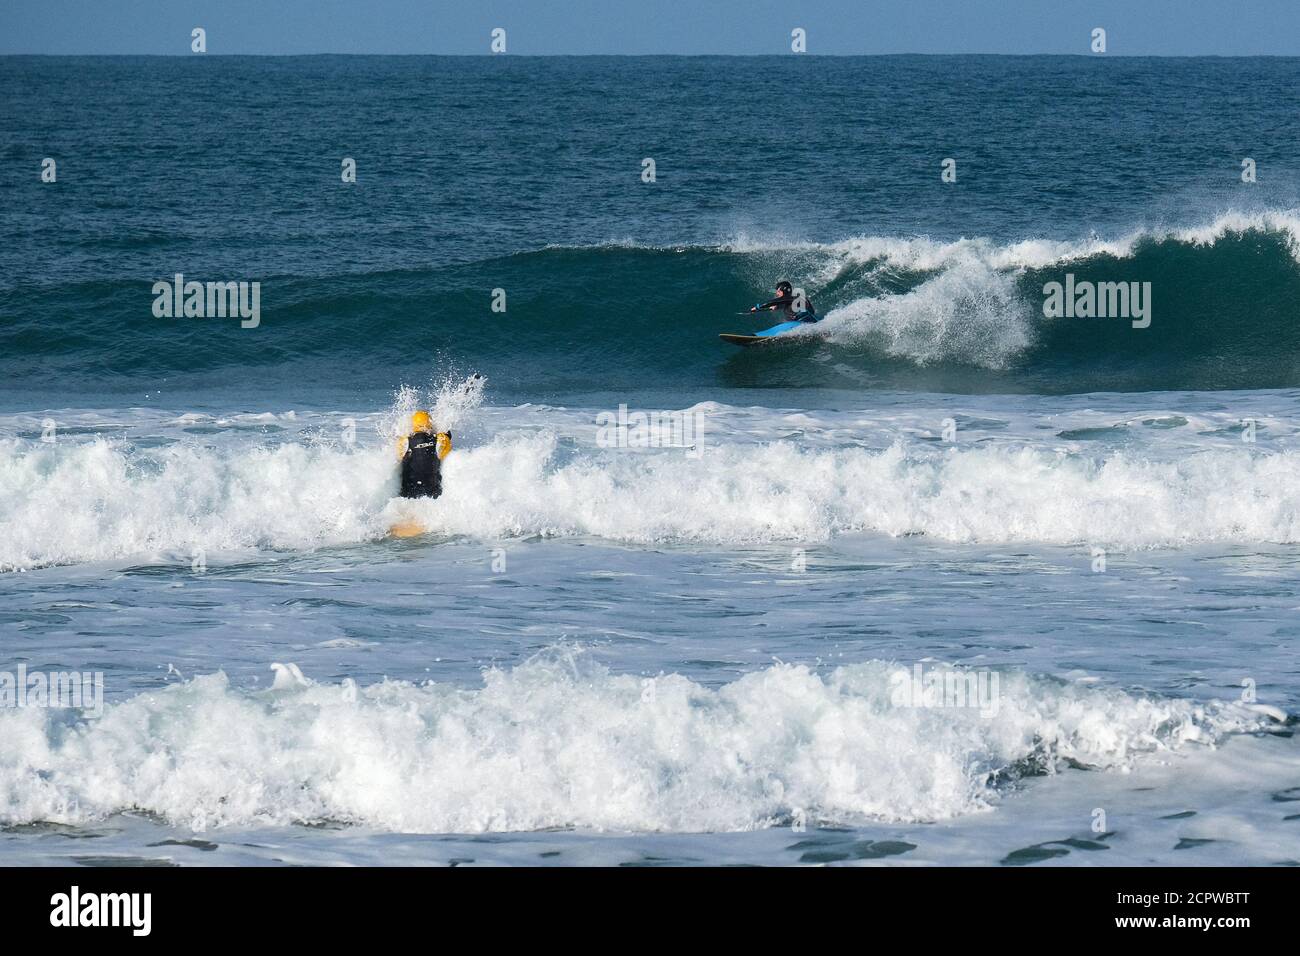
x,y
737,27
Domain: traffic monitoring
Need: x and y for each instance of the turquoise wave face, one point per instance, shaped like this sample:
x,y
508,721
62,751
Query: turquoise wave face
x,y
1217,313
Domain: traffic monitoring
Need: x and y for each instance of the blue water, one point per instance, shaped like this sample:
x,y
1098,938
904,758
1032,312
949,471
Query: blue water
x,y
686,642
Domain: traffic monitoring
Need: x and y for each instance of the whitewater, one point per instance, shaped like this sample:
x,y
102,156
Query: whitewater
x,y
1053,471
572,652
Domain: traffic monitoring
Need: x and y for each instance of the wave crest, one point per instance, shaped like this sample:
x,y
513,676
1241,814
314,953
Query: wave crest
x,y
560,742
106,498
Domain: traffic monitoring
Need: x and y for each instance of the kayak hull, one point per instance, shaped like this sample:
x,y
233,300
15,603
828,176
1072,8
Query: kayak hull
x,y
767,335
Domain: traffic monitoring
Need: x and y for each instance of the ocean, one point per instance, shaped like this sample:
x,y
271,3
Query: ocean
x,y
938,580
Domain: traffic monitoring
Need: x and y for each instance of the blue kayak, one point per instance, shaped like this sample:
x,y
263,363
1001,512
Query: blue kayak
x,y
778,329
773,332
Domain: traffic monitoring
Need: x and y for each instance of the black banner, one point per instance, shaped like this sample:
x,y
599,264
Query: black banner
x,y
331,905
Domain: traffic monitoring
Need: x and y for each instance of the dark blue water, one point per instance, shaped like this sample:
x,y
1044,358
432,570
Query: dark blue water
x,y
525,174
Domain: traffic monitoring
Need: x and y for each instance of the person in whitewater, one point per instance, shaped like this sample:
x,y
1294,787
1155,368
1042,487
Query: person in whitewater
x,y
421,454
797,308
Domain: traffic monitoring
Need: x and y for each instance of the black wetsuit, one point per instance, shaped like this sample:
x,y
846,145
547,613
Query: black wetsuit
x,y
786,303
421,470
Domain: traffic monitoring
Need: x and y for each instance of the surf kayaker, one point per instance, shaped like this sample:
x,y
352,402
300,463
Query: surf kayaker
x,y
786,300
421,454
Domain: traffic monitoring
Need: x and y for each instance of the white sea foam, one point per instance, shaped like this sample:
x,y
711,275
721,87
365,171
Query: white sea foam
x,y
71,502
969,312
924,254
104,498
559,741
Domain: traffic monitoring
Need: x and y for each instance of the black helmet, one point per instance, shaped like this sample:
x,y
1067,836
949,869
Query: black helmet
x,y
785,288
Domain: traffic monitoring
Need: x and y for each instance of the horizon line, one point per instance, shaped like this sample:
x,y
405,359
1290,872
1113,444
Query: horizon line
x,y
538,56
